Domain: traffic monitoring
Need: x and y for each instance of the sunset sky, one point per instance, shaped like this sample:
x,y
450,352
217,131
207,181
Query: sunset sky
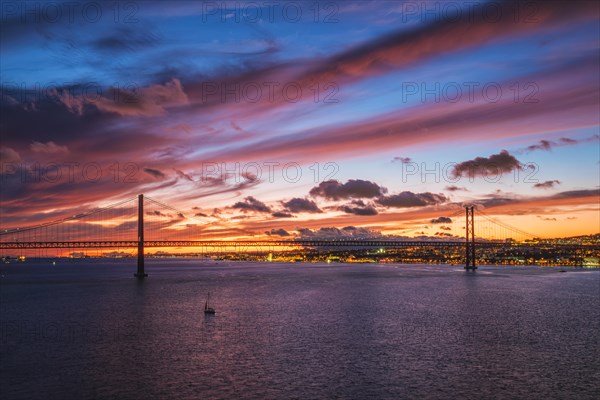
x,y
379,115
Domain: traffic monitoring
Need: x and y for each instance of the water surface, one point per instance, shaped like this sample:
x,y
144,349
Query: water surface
x,y
88,329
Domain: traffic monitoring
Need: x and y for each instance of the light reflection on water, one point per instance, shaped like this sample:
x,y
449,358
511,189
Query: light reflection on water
x,y
88,329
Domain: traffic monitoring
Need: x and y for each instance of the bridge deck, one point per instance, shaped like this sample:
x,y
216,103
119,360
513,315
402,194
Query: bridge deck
x,y
263,243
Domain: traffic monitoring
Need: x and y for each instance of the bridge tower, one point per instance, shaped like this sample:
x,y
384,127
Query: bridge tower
x,y
140,262
470,239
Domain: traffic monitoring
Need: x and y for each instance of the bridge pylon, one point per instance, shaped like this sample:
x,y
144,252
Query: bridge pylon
x,y
140,259
470,239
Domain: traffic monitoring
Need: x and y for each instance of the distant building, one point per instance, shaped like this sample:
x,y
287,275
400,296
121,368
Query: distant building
x,y
591,262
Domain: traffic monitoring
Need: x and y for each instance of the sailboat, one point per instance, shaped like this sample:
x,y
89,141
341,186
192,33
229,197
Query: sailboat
x,y
207,309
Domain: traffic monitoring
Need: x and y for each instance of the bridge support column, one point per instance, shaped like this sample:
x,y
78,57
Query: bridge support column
x,y
470,239
140,261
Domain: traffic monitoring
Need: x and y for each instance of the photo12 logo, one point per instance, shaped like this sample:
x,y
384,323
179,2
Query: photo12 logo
x,y
490,12
77,94
471,92
453,172
130,172
71,93
267,171
70,172
270,11
271,91
69,12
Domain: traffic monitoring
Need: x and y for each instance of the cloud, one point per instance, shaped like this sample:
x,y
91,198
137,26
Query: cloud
x,y
547,184
546,218
125,39
144,101
278,232
443,234
298,205
410,199
541,145
281,214
548,145
573,194
183,175
8,155
441,220
403,160
249,176
470,29
569,141
494,165
354,188
157,213
252,204
583,196
48,148
439,122
445,228
454,188
361,209
154,172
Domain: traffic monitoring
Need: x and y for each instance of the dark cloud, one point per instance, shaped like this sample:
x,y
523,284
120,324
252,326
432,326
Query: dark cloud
x,y
491,166
410,199
354,188
358,208
125,39
454,188
278,232
298,205
155,173
445,228
441,220
252,204
547,184
497,199
200,214
249,176
572,194
183,175
157,213
548,145
569,141
403,160
541,145
443,234
282,214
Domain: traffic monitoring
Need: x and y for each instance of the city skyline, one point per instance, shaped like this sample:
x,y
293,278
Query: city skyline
x,y
305,116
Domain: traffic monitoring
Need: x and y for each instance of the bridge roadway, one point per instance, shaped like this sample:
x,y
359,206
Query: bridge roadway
x,y
267,243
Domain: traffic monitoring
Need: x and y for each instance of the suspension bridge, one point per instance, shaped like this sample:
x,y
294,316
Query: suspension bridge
x,y
142,222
